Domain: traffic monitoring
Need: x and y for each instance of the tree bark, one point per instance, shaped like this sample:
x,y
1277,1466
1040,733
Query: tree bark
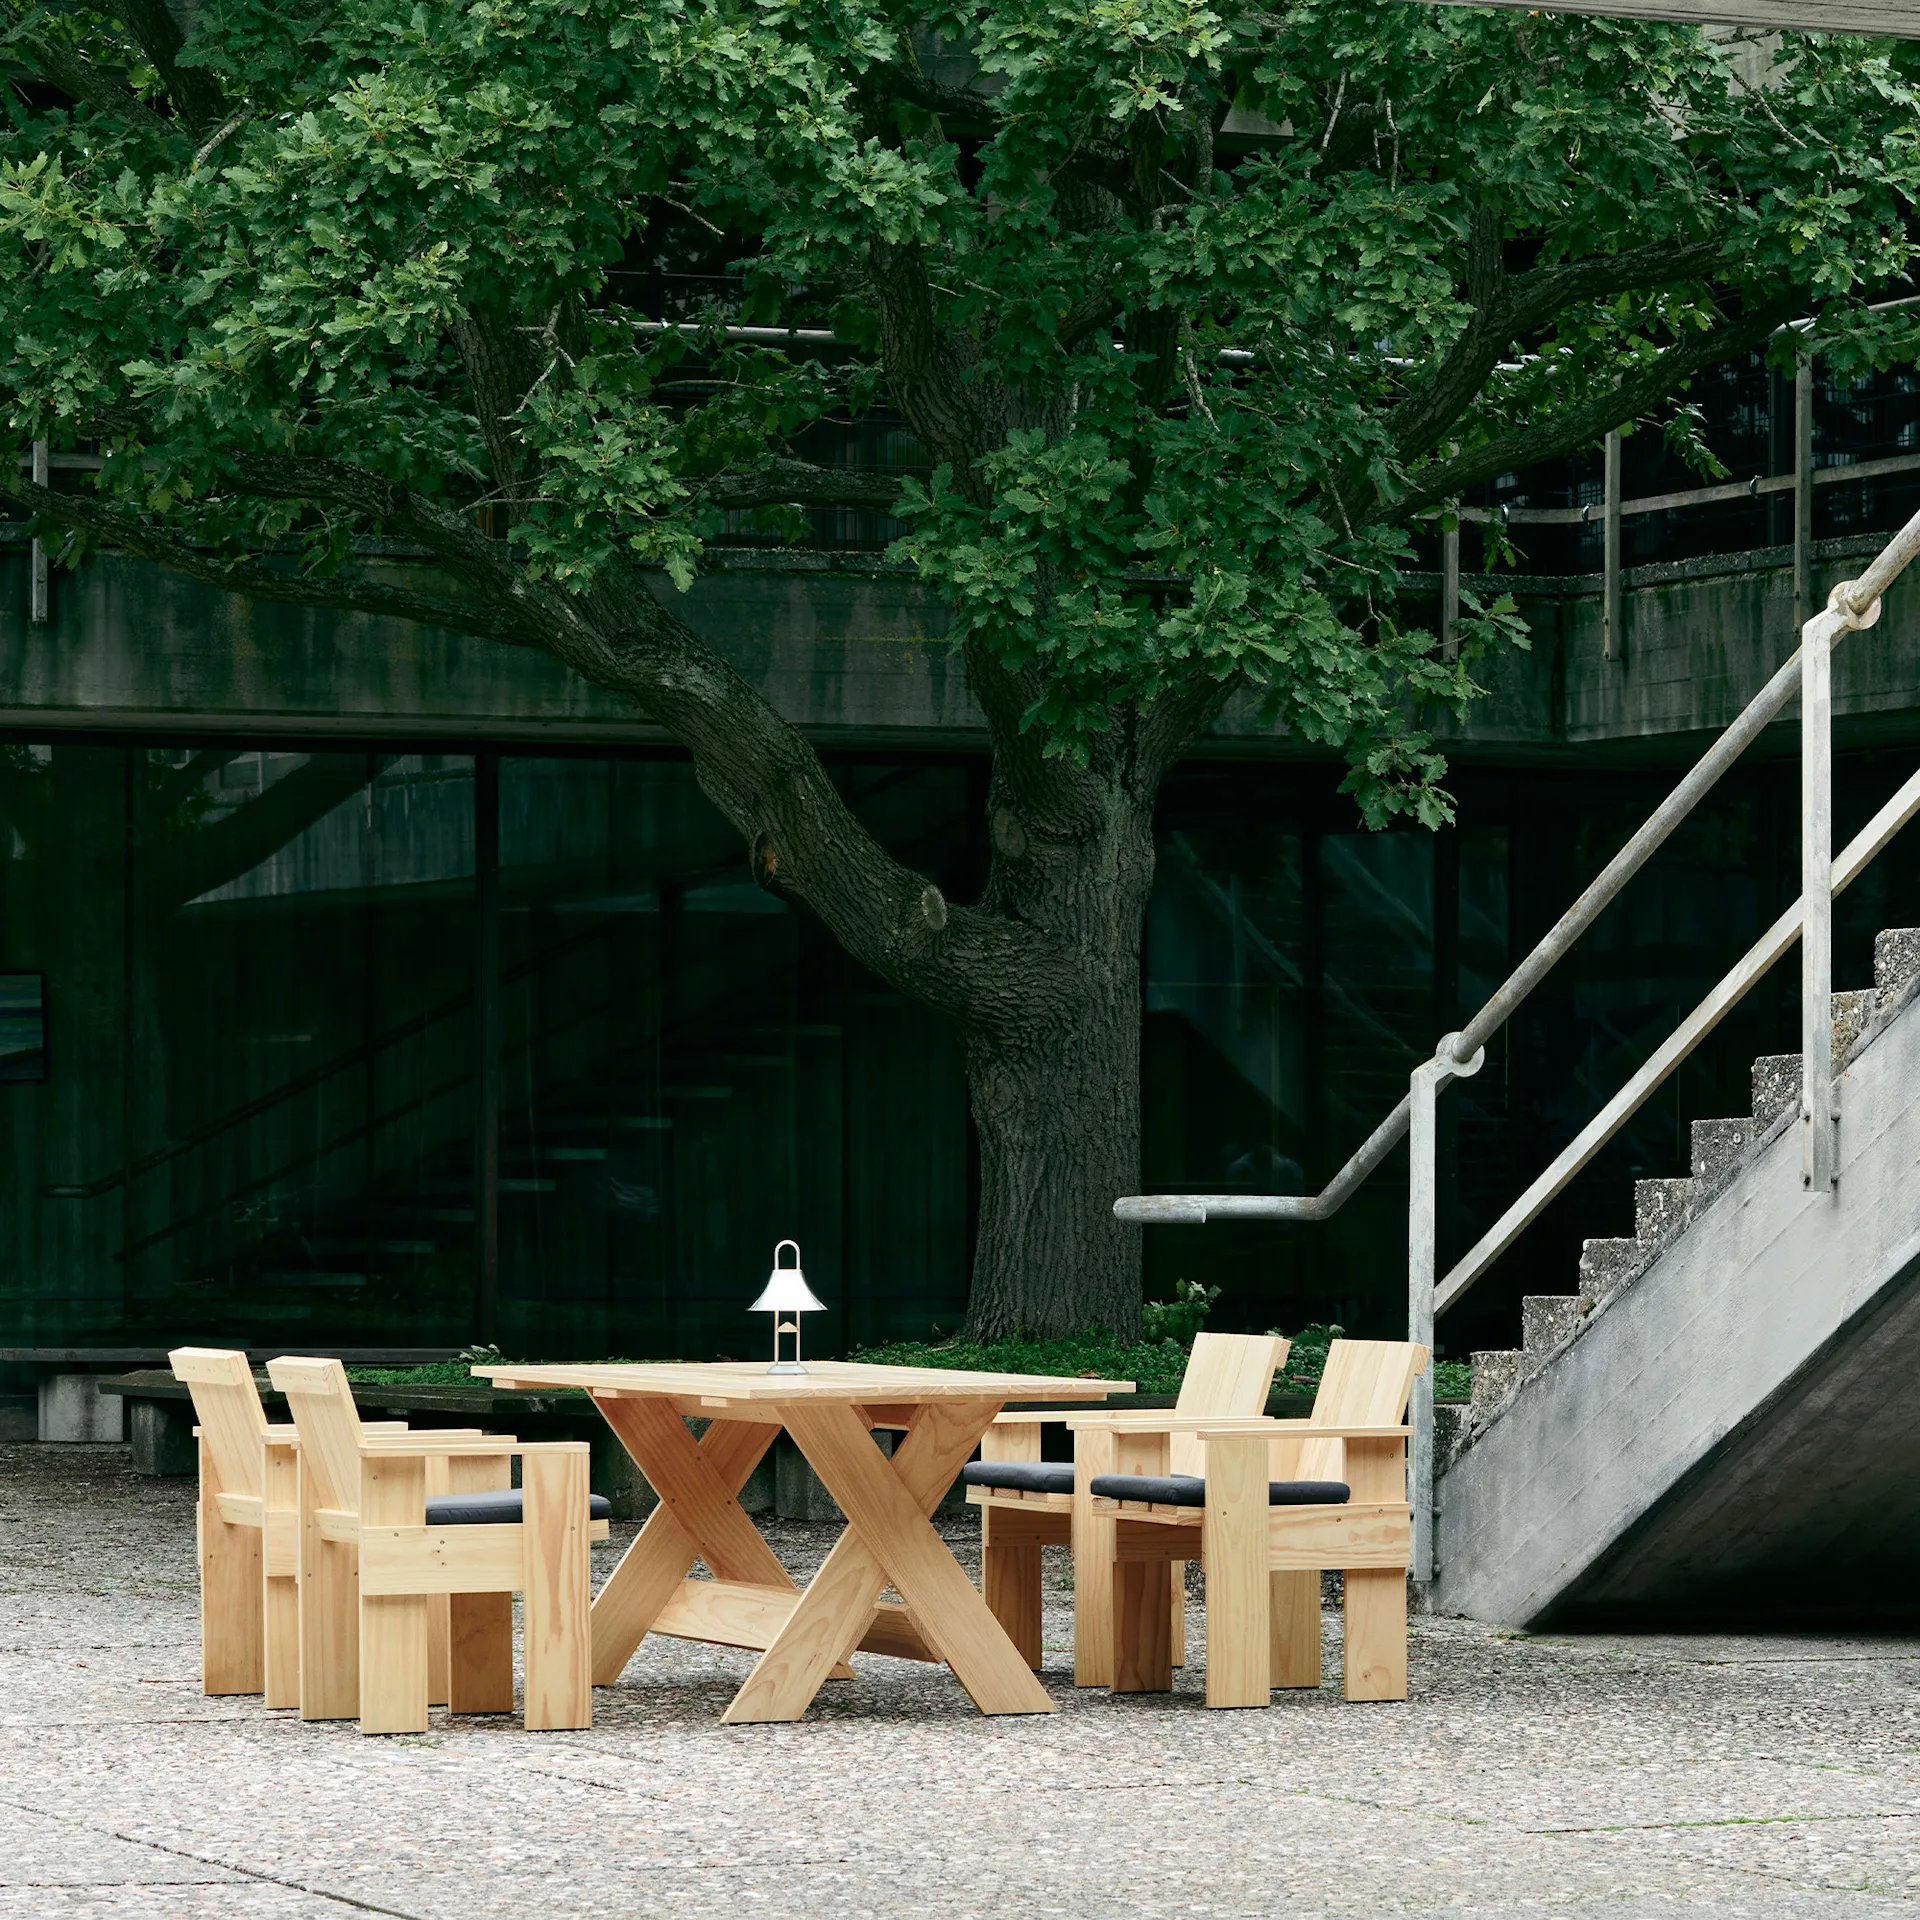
x,y
1053,1060
1059,1124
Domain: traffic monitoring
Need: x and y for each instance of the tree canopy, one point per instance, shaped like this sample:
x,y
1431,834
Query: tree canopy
x,y
314,276
1194,310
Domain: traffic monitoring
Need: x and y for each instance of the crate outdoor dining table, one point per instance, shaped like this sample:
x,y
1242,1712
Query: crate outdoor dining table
x,y
804,1637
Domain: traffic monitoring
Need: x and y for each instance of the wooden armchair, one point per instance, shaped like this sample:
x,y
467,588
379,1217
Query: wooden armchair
x,y
380,1554
1277,1502
1026,1503
248,1527
248,1514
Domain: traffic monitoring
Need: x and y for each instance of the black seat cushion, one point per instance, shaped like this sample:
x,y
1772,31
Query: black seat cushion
x,y
1188,1490
500,1507
1021,1476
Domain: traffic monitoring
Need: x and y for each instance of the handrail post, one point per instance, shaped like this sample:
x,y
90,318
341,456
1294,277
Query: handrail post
x,y
1423,1187
1817,1116
1802,490
37,559
1421,1194
1613,640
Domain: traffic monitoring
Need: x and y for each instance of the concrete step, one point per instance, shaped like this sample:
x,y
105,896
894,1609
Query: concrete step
x,y
1659,1209
1776,1088
1547,1322
1606,1265
1495,1375
1896,959
1851,1012
1719,1145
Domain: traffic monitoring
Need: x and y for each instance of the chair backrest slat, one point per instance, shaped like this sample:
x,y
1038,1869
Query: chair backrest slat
x,y
1229,1374
226,1403
321,1401
1366,1383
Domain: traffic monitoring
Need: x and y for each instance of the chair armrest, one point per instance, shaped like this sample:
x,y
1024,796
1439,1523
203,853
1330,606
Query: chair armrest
x,y
1169,1422
410,1445
1293,1430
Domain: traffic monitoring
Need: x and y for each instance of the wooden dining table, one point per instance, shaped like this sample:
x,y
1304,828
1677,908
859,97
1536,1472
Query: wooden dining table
x,y
805,1636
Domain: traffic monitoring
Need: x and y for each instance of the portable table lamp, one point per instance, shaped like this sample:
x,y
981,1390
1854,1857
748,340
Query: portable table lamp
x,y
787,1292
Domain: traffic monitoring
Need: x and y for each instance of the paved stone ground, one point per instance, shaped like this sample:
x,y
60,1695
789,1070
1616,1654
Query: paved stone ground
x,y
1599,1776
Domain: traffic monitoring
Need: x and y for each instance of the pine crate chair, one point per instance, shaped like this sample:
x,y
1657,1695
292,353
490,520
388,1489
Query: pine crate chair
x,y
1026,1503
1279,1502
246,1525
248,1522
381,1553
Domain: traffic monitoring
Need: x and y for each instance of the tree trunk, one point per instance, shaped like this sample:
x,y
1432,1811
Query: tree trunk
x,y
1059,1127
1056,1098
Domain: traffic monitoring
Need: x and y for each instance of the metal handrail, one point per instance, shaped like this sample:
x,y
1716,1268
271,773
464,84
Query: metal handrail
x,y
1732,988
1852,605
1455,1050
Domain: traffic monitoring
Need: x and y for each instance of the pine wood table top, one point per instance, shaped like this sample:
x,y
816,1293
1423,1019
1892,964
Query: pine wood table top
x,y
725,1382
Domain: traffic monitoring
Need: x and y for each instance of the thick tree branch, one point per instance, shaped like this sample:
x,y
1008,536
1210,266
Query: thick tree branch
x,y
933,377
1170,727
756,767
1581,426
1506,311
194,92
80,80
259,578
500,366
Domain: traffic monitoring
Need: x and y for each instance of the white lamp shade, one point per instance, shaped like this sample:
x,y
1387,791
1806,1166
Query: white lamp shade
x,y
786,1290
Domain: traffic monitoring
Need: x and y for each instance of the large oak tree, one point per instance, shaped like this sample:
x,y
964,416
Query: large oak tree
x,y
1195,311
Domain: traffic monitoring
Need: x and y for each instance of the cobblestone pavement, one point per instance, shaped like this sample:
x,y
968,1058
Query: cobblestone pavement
x,y
1597,1776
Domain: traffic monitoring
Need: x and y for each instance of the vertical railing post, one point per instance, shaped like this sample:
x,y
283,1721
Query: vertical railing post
x,y
1421,1141
1423,1186
486,1045
1803,607
1450,584
37,562
1817,1119
1613,635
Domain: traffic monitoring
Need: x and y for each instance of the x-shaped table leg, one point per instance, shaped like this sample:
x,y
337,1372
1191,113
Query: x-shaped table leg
x,y
888,1538
699,1517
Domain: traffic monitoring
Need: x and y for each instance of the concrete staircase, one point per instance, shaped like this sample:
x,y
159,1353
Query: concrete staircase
x,y
1724,1420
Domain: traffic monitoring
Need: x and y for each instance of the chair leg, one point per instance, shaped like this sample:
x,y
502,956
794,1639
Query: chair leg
x,y
1296,1628
281,1611
1376,1653
479,1625
393,1626
1142,1621
329,1631
1234,1534
559,1584
1010,1579
1177,1614
1094,1598
439,1614
480,1664
282,1664
232,1579
439,1649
